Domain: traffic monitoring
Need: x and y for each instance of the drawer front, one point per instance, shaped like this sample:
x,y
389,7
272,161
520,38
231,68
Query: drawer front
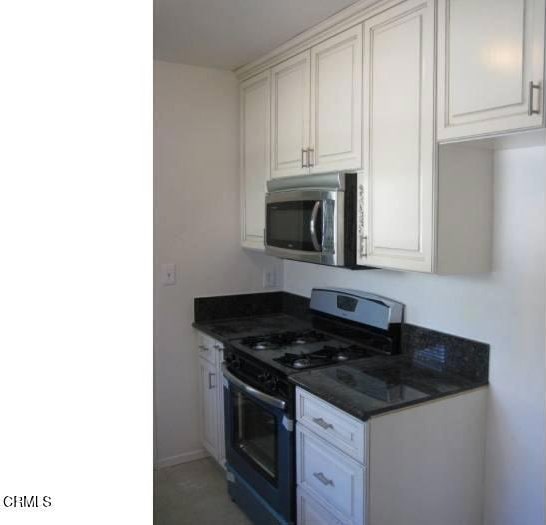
x,y
335,426
312,512
332,477
208,347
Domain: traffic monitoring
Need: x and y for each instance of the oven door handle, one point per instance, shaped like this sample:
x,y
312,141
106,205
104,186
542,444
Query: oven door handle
x,y
266,398
313,226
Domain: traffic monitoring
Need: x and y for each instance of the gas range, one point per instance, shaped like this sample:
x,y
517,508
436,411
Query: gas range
x,y
259,399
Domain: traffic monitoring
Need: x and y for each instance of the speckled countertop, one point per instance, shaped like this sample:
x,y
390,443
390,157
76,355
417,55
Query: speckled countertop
x,y
372,386
431,365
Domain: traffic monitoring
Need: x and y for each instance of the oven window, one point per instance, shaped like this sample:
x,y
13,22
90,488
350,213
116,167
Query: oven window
x,y
288,225
255,434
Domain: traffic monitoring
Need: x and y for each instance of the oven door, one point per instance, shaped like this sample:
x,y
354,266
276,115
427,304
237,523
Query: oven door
x,y
259,442
305,225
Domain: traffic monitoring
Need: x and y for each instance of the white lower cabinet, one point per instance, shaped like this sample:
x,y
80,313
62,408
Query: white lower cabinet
x,y
312,512
333,478
419,467
211,396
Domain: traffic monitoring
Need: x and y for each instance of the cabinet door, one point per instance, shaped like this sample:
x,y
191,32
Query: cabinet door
x,y
336,103
255,157
220,410
490,66
209,406
396,193
290,116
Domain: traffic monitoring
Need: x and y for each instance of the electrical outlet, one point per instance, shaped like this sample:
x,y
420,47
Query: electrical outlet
x,y
168,274
269,278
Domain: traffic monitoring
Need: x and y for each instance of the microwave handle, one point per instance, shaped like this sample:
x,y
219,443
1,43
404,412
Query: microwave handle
x,y
312,226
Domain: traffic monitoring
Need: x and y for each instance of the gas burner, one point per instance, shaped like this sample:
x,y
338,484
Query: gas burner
x,y
283,339
262,345
325,356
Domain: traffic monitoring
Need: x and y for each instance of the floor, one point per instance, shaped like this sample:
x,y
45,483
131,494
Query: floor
x,y
194,494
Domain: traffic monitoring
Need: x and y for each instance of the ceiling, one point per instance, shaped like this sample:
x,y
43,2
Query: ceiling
x,y
231,33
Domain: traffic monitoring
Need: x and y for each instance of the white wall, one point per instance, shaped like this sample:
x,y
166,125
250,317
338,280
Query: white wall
x,y
506,309
196,203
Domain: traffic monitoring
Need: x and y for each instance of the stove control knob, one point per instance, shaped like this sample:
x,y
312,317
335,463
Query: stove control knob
x,y
271,384
264,377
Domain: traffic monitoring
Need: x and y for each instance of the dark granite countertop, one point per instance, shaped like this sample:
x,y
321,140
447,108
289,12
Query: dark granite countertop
x,y
239,327
431,365
376,385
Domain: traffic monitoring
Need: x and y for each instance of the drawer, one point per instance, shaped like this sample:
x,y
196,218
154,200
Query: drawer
x,y
337,427
312,512
333,478
208,347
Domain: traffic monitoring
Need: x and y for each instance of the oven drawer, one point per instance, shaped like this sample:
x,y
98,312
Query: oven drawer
x,y
312,512
335,426
334,479
208,347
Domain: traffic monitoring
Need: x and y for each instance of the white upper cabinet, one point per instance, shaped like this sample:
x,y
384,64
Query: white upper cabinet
x,y
316,123
396,190
290,116
336,103
490,66
255,103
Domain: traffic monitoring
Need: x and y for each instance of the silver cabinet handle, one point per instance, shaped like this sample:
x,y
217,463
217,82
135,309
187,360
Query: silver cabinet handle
x,y
303,153
203,348
323,479
532,87
313,227
218,347
211,375
321,423
310,163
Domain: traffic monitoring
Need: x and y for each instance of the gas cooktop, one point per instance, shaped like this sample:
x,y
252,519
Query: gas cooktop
x,y
302,349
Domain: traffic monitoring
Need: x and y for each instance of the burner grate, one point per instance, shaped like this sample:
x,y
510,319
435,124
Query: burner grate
x,y
276,341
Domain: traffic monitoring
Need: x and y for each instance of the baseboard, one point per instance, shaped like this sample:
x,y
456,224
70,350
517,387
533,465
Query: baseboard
x,y
182,458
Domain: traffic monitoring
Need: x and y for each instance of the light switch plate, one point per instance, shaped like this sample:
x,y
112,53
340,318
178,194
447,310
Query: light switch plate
x,y
168,274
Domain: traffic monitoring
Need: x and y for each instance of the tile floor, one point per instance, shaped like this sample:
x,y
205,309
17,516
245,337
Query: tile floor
x,y
194,494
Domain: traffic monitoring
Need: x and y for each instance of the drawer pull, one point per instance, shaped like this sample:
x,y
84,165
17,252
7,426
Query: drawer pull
x,y
321,423
203,348
218,347
323,479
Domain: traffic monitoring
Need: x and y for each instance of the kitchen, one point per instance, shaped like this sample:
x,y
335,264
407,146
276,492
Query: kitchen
x,y
432,112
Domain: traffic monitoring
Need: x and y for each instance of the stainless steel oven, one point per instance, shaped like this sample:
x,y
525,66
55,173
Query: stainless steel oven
x,y
312,218
259,446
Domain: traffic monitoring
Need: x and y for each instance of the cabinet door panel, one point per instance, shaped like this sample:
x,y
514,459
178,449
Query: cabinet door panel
x,y
399,152
255,157
336,102
209,412
290,115
489,52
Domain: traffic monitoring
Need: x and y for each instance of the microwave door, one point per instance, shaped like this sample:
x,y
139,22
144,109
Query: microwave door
x,y
295,226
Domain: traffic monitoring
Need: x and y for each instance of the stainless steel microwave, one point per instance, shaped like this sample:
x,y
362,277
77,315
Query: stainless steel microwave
x,y
312,218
